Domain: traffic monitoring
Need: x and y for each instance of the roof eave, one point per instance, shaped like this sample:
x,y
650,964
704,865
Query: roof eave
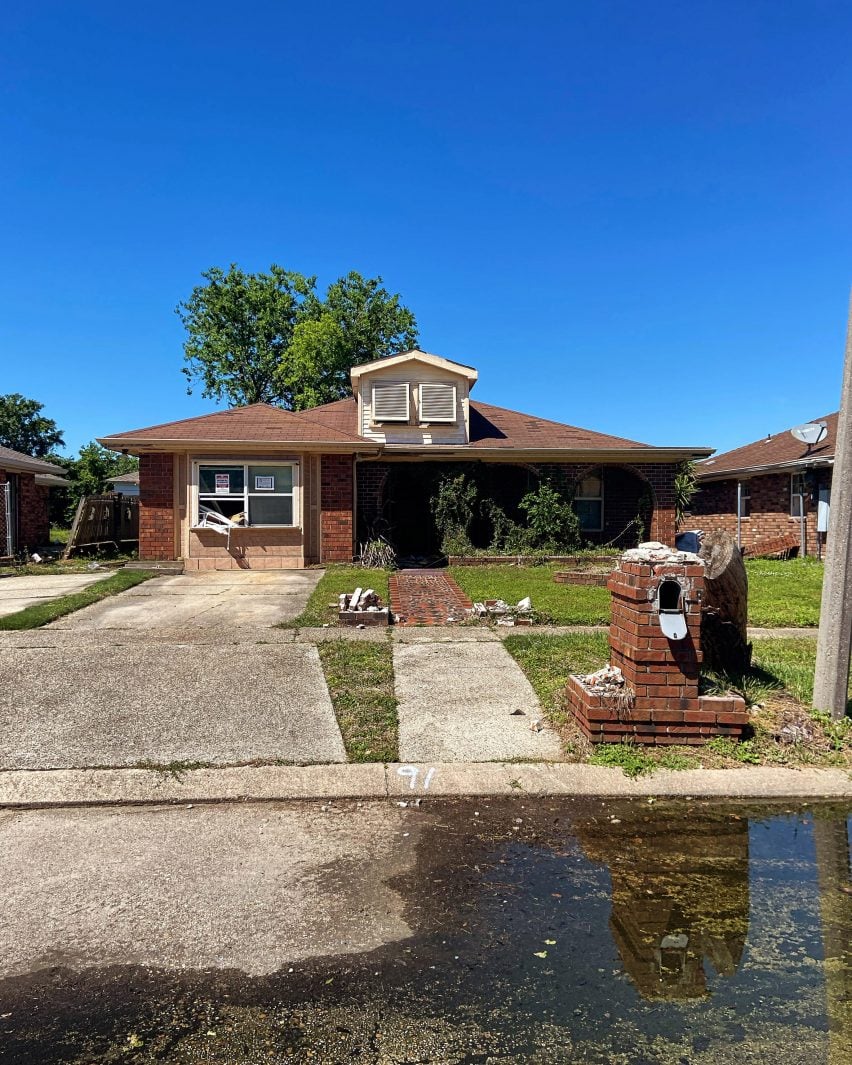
x,y
143,447
560,454
768,467
32,466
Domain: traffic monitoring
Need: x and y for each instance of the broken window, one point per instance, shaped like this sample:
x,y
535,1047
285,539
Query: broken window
x,y
248,494
588,503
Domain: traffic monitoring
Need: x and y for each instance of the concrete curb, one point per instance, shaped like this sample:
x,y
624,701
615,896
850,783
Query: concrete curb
x,y
98,787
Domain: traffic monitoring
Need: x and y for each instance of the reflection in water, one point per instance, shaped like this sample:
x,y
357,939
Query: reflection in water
x,y
834,866
677,898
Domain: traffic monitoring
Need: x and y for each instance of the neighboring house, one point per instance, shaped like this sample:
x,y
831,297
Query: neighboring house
x,y
775,491
24,486
261,487
126,484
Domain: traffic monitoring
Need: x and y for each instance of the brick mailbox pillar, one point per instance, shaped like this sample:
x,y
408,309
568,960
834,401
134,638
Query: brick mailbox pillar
x,y
649,692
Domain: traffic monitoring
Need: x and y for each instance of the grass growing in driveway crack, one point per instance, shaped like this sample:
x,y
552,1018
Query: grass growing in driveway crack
x,y
360,681
33,617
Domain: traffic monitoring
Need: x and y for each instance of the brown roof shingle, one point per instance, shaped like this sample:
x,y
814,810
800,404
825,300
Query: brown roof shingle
x,y
257,423
492,427
780,449
17,460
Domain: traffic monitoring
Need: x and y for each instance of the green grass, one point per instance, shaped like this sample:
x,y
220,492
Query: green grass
x,y
360,680
563,604
781,594
33,617
784,593
321,608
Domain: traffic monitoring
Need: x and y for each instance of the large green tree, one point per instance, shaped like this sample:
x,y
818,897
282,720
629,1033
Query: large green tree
x,y
24,428
270,338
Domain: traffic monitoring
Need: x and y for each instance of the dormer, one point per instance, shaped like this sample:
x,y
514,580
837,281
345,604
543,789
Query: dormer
x,y
414,398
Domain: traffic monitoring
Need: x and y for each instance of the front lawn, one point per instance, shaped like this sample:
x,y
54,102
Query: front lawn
x,y
33,617
563,604
781,594
781,682
321,608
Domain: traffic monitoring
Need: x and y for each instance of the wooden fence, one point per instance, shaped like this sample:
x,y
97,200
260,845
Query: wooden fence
x,y
102,521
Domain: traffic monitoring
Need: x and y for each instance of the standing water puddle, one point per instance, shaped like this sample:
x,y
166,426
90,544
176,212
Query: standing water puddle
x,y
547,931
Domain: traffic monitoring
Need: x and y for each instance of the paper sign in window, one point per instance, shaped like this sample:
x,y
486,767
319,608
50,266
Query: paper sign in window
x,y
264,484
223,483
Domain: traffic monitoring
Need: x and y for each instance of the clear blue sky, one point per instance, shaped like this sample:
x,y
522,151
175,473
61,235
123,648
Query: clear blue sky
x,y
634,218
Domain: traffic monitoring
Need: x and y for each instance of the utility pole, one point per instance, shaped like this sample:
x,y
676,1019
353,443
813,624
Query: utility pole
x,y
834,644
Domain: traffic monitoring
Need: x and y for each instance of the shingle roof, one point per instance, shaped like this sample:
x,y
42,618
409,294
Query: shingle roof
x,y
257,423
779,449
493,427
17,460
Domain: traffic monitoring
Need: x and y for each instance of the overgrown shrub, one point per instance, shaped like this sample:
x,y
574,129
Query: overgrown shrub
x,y
454,509
552,523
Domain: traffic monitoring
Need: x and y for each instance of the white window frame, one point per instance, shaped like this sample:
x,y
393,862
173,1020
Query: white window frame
x,y
247,492
592,499
401,419
425,419
794,495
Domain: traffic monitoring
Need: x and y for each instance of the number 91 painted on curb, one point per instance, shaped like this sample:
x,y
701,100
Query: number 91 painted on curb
x,y
411,772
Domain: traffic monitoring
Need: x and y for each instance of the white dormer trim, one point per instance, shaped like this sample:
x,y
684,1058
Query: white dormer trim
x,y
415,356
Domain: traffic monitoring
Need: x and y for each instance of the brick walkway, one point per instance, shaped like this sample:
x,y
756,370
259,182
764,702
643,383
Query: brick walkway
x,y
426,597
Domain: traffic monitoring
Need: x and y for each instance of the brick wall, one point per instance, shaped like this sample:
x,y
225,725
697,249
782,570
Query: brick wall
x,y
33,519
3,516
337,497
715,507
156,508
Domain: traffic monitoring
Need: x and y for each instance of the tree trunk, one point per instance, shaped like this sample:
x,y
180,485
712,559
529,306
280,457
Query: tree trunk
x,y
724,613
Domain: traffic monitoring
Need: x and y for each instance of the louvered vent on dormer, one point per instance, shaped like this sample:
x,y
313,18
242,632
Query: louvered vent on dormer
x,y
390,402
437,403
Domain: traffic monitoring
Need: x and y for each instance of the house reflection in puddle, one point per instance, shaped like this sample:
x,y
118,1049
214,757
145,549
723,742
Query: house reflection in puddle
x,y
680,897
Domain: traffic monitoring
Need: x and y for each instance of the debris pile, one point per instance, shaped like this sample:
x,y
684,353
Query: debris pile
x,y
362,607
654,553
505,613
610,684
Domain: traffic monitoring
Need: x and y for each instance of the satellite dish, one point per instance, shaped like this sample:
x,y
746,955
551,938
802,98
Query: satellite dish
x,y
810,433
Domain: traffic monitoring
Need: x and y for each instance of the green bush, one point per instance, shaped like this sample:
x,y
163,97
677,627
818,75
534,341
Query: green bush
x,y
552,523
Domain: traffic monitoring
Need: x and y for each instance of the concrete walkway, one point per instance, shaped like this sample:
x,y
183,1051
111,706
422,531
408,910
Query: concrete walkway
x,y
221,600
17,593
466,702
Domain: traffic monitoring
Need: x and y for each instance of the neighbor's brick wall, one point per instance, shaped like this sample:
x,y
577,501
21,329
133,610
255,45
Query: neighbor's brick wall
x,y
337,499
33,520
156,507
715,507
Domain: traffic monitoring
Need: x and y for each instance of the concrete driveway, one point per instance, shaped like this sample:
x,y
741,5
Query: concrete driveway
x,y
201,601
17,593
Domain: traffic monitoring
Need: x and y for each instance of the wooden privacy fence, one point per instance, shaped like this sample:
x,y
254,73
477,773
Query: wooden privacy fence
x,y
104,520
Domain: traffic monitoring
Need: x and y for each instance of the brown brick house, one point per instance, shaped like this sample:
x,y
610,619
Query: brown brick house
x,y
771,492
260,487
24,486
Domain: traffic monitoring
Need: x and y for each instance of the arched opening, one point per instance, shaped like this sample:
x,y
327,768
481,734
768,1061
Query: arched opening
x,y
615,506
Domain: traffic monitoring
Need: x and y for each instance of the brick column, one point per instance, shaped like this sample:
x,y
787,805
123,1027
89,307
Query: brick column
x,y
337,494
156,507
33,523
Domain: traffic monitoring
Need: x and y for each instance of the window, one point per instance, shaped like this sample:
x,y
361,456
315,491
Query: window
x,y
797,495
248,494
437,402
390,402
745,499
588,503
